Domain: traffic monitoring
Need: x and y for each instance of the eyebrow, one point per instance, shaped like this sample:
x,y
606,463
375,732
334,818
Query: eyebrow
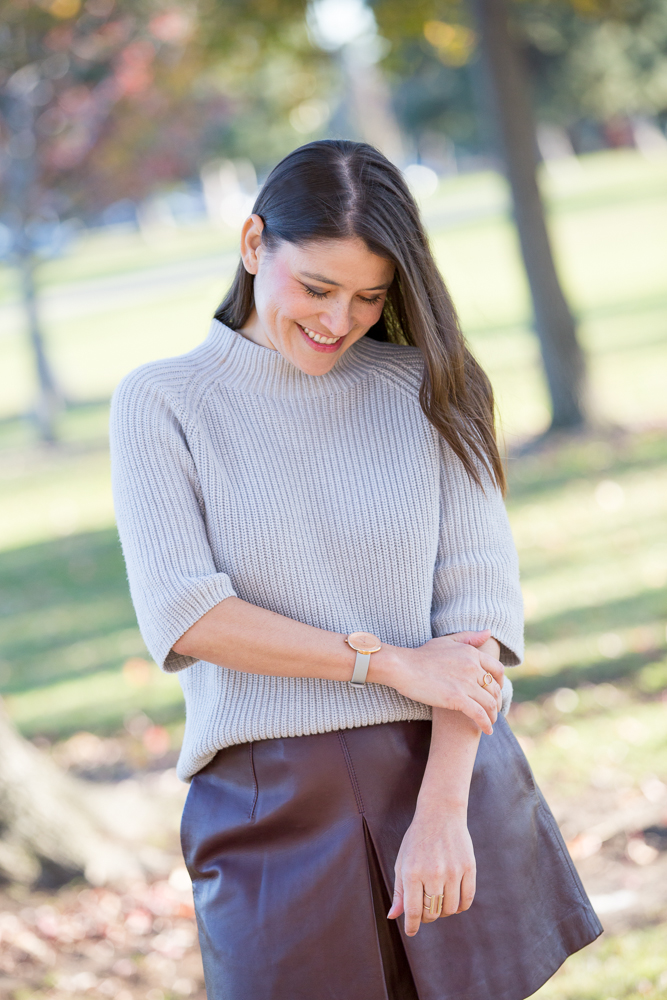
x,y
328,281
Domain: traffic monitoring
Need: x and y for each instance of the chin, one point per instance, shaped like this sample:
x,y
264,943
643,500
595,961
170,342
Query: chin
x,y
314,365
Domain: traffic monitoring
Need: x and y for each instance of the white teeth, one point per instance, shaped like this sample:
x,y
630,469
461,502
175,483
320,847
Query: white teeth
x,y
319,337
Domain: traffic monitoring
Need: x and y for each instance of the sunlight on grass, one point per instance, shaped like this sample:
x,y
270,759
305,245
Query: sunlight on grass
x,y
627,967
614,746
99,702
118,250
53,495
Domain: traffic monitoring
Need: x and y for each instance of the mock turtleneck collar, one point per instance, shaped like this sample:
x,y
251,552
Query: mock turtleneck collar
x,y
245,365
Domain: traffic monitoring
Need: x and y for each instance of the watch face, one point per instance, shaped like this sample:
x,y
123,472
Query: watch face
x,y
364,642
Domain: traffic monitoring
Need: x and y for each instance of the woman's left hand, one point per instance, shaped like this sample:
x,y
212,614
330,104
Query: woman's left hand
x,y
436,857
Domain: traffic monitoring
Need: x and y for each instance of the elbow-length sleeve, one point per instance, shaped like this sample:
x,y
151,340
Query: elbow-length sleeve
x,y
171,571
476,579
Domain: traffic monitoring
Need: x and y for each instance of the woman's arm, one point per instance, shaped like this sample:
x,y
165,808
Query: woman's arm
x,y
445,672
476,573
436,855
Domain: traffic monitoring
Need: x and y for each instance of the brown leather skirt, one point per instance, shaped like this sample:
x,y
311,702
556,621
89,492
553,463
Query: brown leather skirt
x,y
291,845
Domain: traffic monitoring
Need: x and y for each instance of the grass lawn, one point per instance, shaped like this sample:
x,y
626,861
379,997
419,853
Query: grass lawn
x,y
589,517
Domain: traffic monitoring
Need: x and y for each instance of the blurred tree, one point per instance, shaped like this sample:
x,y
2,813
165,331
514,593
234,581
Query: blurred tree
x,y
63,69
562,355
580,59
107,99
595,60
444,26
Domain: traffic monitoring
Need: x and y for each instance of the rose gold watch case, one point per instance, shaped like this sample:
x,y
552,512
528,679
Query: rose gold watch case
x,y
363,642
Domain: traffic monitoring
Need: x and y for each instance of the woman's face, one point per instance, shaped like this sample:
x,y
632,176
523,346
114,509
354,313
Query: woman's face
x,y
313,302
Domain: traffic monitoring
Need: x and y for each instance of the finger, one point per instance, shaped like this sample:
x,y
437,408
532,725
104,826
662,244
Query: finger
x,y
452,893
397,902
413,904
474,711
468,887
472,638
487,701
494,666
494,689
432,889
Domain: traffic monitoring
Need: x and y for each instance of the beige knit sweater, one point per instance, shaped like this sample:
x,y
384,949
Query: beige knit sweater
x,y
329,499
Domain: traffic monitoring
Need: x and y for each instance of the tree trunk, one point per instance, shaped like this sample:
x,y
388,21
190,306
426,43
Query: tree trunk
x,y
562,356
372,112
47,833
49,399
21,191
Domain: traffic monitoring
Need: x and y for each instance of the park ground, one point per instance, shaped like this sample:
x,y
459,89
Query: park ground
x,y
589,515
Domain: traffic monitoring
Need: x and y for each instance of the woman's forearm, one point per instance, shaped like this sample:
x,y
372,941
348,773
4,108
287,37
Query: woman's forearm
x,y
242,636
454,741
446,672
446,783
437,855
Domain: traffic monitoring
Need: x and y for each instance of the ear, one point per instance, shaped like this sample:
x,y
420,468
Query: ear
x,y
251,242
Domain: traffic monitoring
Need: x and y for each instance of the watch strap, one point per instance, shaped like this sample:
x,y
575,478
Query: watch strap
x,y
360,671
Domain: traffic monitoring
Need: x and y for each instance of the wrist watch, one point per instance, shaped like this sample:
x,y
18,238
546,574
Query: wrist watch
x,y
364,643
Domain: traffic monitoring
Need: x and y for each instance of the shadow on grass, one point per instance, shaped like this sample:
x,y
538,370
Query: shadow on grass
x,y
638,671
627,612
65,609
583,456
67,629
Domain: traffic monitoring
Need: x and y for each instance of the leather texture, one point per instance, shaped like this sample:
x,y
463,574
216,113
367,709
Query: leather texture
x,y
291,844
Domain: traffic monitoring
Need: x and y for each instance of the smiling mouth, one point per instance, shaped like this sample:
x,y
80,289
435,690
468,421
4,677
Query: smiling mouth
x,y
320,342
319,337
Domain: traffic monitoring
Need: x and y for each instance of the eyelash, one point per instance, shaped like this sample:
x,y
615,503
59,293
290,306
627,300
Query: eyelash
x,y
323,295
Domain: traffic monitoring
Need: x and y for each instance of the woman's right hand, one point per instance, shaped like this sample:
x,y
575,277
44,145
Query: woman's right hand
x,y
447,672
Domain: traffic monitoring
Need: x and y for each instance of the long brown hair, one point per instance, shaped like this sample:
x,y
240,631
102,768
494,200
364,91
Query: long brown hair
x,y
336,189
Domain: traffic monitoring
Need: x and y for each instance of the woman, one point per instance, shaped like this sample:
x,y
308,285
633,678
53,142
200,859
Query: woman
x,y
310,509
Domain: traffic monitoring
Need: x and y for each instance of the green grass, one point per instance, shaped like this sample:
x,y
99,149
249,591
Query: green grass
x,y
120,250
627,967
67,627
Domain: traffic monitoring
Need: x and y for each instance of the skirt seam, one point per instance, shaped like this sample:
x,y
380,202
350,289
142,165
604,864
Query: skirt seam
x,y
351,772
251,817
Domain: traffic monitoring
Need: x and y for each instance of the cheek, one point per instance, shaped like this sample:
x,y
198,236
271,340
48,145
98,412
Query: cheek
x,y
276,298
369,315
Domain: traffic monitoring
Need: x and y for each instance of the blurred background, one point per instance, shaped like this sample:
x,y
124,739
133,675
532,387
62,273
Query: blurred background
x,y
134,135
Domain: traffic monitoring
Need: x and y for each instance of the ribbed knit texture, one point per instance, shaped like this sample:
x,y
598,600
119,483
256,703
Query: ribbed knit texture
x,y
329,499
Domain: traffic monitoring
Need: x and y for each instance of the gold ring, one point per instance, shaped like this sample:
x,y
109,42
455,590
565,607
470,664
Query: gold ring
x,y
433,904
487,679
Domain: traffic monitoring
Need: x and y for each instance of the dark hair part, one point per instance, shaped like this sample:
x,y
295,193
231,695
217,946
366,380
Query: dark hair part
x,y
336,189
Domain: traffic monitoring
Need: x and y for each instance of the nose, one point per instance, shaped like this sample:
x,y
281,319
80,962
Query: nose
x,y
337,318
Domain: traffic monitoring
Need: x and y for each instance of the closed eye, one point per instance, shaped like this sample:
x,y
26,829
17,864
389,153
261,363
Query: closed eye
x,y
322,295
314,294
